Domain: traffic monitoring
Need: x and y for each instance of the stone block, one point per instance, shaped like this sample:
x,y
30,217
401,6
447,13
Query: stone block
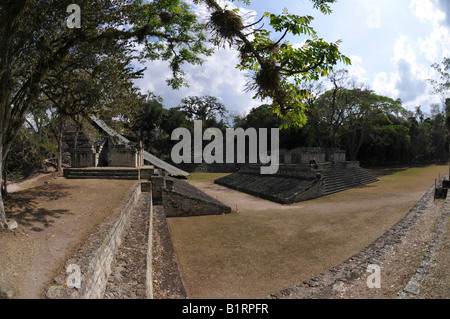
x,y
146,187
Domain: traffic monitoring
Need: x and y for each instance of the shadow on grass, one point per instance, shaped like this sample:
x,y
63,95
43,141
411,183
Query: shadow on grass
x,y
371,185
385,171
23,206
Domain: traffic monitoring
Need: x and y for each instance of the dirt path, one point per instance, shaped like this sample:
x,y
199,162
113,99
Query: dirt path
x,y
54,219
34,181
267,247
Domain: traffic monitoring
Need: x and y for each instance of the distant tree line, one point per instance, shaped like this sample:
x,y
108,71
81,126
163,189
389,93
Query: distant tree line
x,y
371,128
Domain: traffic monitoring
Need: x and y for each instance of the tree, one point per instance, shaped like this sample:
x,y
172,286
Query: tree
x,y
35,42
442,87
277,69
345,115
205,108
367,108
146,118
173,119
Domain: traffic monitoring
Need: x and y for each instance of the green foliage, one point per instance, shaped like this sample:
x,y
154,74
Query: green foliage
x,y
372,128
144,120
173,119
29,150
442,87
278,69
205,108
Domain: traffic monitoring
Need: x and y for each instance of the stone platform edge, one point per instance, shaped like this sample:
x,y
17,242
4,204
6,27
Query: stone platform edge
x,y
95,257
356,265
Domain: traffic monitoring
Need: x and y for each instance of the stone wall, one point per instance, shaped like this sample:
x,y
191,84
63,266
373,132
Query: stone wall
x,y
292,170
324,285
84,158
297,182
121,156
281,189
179,205
97,254
180,199
303,155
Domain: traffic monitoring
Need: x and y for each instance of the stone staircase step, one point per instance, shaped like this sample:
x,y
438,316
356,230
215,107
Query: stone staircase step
x,y
340,178
126,174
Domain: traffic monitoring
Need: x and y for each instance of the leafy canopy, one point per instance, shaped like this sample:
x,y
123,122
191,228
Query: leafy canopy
x,y
277,69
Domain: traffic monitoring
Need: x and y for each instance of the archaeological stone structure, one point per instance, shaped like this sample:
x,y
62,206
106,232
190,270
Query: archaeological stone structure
x,y
90,147
303,174
92,143
97,151
134,242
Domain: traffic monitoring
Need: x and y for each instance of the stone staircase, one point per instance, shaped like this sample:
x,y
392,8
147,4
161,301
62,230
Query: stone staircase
x,y
340,177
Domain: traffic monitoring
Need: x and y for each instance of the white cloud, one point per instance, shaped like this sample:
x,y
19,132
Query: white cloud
x,y
437,43
356,70
403,51
384,84
217,76
426,11
445,6
408,81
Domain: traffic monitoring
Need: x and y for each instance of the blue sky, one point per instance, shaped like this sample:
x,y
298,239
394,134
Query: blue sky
x,y
392,45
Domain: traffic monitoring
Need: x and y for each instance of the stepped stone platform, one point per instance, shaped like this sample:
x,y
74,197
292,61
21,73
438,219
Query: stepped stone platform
x,y
342,176
181,199
298,182
126,173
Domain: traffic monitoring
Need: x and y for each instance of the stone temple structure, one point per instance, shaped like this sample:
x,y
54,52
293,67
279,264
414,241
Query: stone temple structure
x,y
95,144
107,151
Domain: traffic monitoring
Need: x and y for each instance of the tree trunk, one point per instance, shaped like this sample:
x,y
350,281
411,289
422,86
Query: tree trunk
x,y
60,148
3,219
5,182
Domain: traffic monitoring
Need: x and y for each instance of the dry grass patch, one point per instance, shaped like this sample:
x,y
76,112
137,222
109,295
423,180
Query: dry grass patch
x,y
266,247
54,220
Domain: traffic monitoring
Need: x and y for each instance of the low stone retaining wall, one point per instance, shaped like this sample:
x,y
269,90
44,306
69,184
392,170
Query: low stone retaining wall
x,y
426,265
131,276
110,173
323,285
96,256
180,199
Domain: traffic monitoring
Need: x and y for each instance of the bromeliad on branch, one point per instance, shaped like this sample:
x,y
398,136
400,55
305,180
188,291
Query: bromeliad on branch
x,y
277,68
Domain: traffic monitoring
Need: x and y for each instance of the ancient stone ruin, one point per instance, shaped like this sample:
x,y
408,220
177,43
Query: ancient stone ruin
x,y
97,151
93,144
303,174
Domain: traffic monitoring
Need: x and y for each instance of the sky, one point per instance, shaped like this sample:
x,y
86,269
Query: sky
x,y
392,45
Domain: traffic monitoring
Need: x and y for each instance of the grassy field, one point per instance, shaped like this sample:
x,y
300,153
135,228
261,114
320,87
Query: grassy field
x,y
265,247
